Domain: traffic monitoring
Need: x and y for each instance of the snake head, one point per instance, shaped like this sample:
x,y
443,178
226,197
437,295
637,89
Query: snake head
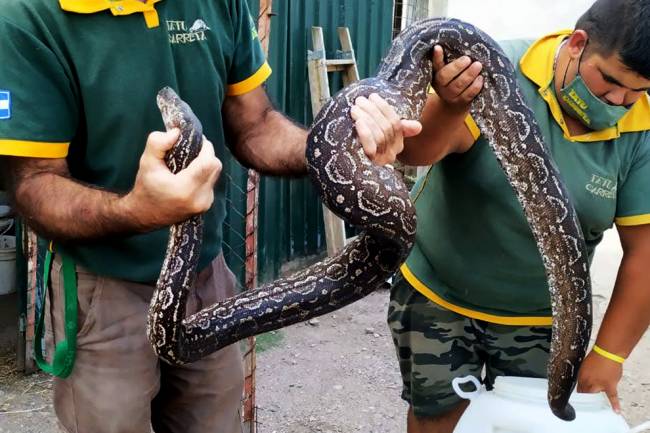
x,y
175,112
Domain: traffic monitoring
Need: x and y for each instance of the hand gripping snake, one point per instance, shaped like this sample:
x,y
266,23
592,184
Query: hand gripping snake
x,y
375,199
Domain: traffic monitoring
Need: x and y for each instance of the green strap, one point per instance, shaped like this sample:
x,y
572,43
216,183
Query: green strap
x,y
65,351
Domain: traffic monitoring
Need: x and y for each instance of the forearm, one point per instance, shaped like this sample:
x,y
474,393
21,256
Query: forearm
x,y
277,148
628,313
263,138
626,319
62,209
443,132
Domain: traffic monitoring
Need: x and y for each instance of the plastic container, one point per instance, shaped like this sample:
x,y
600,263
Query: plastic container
x,y
518,405
7,265
6,221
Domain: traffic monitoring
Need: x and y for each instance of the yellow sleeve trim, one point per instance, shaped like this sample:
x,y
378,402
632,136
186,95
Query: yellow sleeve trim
x,y
501,320
472,126
635,220
33,149
250,83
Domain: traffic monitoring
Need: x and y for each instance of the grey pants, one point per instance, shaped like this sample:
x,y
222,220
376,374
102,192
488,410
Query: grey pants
x,y
118,385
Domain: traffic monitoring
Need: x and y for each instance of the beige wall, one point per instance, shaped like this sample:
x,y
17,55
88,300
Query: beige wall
x,y
508,19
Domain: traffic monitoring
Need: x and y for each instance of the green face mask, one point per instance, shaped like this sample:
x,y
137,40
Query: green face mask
x,y
587,107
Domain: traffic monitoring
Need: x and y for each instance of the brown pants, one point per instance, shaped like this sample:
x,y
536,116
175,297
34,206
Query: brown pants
x,y
118,385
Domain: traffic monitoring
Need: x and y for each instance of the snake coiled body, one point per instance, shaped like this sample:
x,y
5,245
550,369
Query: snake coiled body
x,y
375,199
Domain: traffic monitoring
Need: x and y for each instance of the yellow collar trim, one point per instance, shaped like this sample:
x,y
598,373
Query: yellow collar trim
x,y
117,8
537,65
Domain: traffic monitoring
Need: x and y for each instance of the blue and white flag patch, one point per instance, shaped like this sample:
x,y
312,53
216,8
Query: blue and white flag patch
x,y
5,104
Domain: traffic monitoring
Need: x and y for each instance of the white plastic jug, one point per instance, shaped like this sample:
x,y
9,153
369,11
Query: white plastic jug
x,y
6,220
518,405
7,265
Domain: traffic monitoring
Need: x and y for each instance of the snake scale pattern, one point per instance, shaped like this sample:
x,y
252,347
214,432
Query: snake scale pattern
x,y
375,199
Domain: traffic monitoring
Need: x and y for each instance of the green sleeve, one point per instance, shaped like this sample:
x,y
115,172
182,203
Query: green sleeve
x,y
633,204
249,68
41,118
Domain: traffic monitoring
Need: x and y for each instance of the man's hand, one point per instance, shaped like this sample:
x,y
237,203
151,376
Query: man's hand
x,y
458,82
381,132
159,197
601,374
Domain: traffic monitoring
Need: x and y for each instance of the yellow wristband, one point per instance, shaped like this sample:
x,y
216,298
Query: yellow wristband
x,y
608,355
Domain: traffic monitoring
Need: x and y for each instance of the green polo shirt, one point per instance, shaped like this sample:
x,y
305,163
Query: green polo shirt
x,y
81,77
474,252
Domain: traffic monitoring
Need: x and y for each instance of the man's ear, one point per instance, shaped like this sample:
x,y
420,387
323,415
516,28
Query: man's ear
x,y
577,43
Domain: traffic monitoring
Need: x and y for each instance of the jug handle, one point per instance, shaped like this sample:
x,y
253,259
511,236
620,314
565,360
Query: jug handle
x,y
643,427
468,395
5,229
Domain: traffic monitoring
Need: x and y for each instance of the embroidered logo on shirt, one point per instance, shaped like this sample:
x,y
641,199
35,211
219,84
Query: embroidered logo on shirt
x,y
179,34
602,187
199,26
5,104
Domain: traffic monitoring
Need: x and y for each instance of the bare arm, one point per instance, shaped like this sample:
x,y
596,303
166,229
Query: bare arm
x,y
628,313
263,138
443,132
627,317
443,129
61,208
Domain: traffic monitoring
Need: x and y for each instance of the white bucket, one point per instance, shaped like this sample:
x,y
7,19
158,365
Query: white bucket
x,y
7,264
518,405
5,219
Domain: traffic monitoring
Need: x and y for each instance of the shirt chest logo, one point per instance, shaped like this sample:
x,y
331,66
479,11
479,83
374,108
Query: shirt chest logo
x,y
602,187
5,104
182,33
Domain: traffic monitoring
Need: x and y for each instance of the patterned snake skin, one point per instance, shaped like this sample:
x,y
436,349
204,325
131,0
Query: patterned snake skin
x,y
375,199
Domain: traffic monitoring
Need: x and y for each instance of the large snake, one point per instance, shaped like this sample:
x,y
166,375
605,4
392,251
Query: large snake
x,y
375,199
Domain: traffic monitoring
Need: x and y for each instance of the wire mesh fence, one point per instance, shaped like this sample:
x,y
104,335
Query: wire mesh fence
x,y
234,233
407,12
410,11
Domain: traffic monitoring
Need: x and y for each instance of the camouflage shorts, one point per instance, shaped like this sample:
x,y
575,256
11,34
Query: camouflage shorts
x,y
435,345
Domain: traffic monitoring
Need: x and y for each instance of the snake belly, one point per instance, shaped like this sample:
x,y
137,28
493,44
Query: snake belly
x,y
376,200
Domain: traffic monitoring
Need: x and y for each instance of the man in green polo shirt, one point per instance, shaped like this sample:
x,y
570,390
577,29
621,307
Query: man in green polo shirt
x,y
78,81
473,292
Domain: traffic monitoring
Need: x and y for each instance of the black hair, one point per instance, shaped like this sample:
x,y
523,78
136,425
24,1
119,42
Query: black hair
x,y
620,27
